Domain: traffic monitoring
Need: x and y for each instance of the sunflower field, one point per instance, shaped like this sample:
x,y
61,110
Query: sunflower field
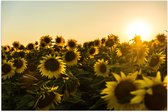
x,y
102,74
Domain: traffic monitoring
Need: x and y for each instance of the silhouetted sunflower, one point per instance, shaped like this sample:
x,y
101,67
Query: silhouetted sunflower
x,y
59,41
51,66
46,39
153,93
71,57
21,47
30,46
93,51
20,64
8,70
161,38
97,43
101,68
71,44
49,99
156,60
16,44
117,93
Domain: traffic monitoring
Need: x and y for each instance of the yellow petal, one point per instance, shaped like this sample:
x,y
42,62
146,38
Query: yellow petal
x,y
149,91
158,78
117,77
137,99
138,92
123,75
148,81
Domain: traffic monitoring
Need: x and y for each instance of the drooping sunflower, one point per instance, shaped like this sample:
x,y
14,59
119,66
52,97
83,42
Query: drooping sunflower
x,y
46,39
8,70
93,51
30,46
48,99
156,60
117,93
20,64
16,44
71,57
51,66
101,68
71,44
153,93
112,39
59,41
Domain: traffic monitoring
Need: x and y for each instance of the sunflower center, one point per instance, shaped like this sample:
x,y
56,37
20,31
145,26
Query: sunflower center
x,y
47,40
154,61
49,97
16,45
103,68
109,43
6,68
52,64
122,91
58,40
158,100
18,63
30,46
97,43
92,51
72,44
70,55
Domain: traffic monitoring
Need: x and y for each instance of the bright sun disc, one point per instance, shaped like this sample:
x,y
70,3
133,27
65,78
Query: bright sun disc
x,y
139,28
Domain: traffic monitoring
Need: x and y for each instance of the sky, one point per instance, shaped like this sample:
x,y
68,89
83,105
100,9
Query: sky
x,y
26,22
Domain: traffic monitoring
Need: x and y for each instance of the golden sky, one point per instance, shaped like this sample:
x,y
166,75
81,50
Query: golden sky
x,y
84,21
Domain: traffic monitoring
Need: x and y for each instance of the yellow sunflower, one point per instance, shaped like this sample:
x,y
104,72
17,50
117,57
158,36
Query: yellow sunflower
x,y
8,70
51,66
71,57
141,51
46,39
101,68
60,41
16,44
48,99
71,44
153,93
6,48
20,64
93,51
117,94
30,46
161,38
97,42
156,60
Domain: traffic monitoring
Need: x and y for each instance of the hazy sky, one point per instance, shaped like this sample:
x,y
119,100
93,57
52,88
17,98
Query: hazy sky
x,y
28,21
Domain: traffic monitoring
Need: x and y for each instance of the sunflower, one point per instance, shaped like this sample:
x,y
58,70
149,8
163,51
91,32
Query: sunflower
x,y
48,99
97,42
103,40
71,44
8,70
161,38
51,66
117,94
112,39
46,39
101,68
153,93
141,51
6,48
21,47
16,44
156,60
71,57
93,51
20,64
60,41
30,46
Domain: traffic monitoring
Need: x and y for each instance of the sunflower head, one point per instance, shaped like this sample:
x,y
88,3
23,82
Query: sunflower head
x,y
93,51
71,44
43,44
137,39
8,70
97,42
156,60
71,57
30,46
101,68
6,48
20,64
60,41
51,66
103,40
118,93
161,38
21,47
112,39
16,44
152,93
46,39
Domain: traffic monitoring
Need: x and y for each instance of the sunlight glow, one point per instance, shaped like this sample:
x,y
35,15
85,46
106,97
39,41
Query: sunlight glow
x,y
139,28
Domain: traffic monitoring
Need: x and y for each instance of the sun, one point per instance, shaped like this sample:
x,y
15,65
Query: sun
x,y
139,28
